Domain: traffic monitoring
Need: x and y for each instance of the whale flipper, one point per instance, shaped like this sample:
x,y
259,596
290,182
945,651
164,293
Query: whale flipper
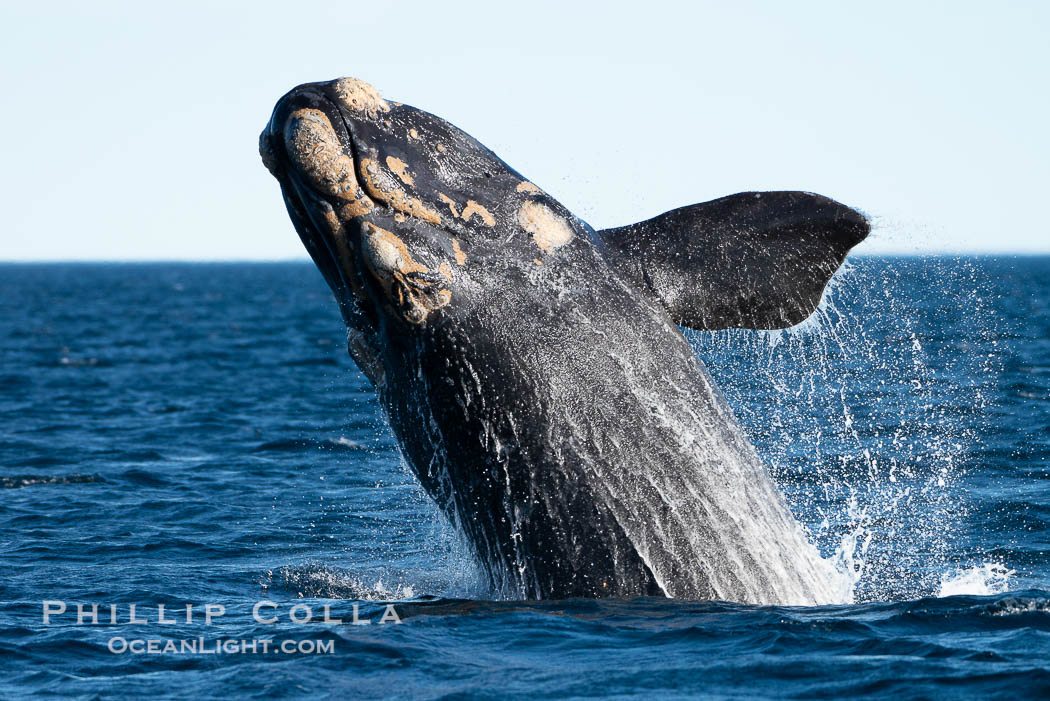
x,y
757,260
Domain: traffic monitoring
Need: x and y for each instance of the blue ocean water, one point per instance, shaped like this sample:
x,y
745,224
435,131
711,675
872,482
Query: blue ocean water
x,y
195,434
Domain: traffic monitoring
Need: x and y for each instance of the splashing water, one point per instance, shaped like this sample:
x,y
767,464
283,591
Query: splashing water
x,y
202,452
873,475
983,580
319,580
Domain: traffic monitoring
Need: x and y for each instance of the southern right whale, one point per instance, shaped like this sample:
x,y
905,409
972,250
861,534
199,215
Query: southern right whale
x,y
533,369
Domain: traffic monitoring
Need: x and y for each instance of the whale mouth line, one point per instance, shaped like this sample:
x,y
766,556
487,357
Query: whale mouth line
x,y
321,245
336,262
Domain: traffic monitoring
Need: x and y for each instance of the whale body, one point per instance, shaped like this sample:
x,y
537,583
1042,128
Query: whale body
x,y
533,369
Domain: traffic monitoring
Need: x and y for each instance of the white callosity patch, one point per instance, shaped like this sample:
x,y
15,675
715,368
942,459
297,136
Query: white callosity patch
x,y
385,187
382,254
315,151
549,230
409,285
400,169
360,97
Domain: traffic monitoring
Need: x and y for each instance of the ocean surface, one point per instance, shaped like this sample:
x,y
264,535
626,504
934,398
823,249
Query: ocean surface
x,y
195,435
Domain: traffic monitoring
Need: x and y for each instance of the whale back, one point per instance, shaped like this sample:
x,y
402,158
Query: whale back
x,y
582,446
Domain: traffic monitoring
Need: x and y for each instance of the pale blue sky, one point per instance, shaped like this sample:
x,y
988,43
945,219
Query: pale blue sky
x,y
131,129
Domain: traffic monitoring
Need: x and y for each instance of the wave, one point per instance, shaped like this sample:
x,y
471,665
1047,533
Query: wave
x,y
318,580
296,445
19,481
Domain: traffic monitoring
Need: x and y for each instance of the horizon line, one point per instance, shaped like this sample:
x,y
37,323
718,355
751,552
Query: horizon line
x,y
306,259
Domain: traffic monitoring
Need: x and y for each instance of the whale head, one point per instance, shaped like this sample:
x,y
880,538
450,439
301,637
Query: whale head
x,y
407,217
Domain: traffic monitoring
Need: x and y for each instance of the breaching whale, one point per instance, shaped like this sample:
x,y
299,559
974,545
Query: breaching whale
x,y
533,369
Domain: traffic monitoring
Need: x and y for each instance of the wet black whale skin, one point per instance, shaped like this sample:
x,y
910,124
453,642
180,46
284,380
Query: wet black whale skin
x,y
548,407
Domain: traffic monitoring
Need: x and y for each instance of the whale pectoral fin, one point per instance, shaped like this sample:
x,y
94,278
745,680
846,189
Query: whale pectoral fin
x,y
755,260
